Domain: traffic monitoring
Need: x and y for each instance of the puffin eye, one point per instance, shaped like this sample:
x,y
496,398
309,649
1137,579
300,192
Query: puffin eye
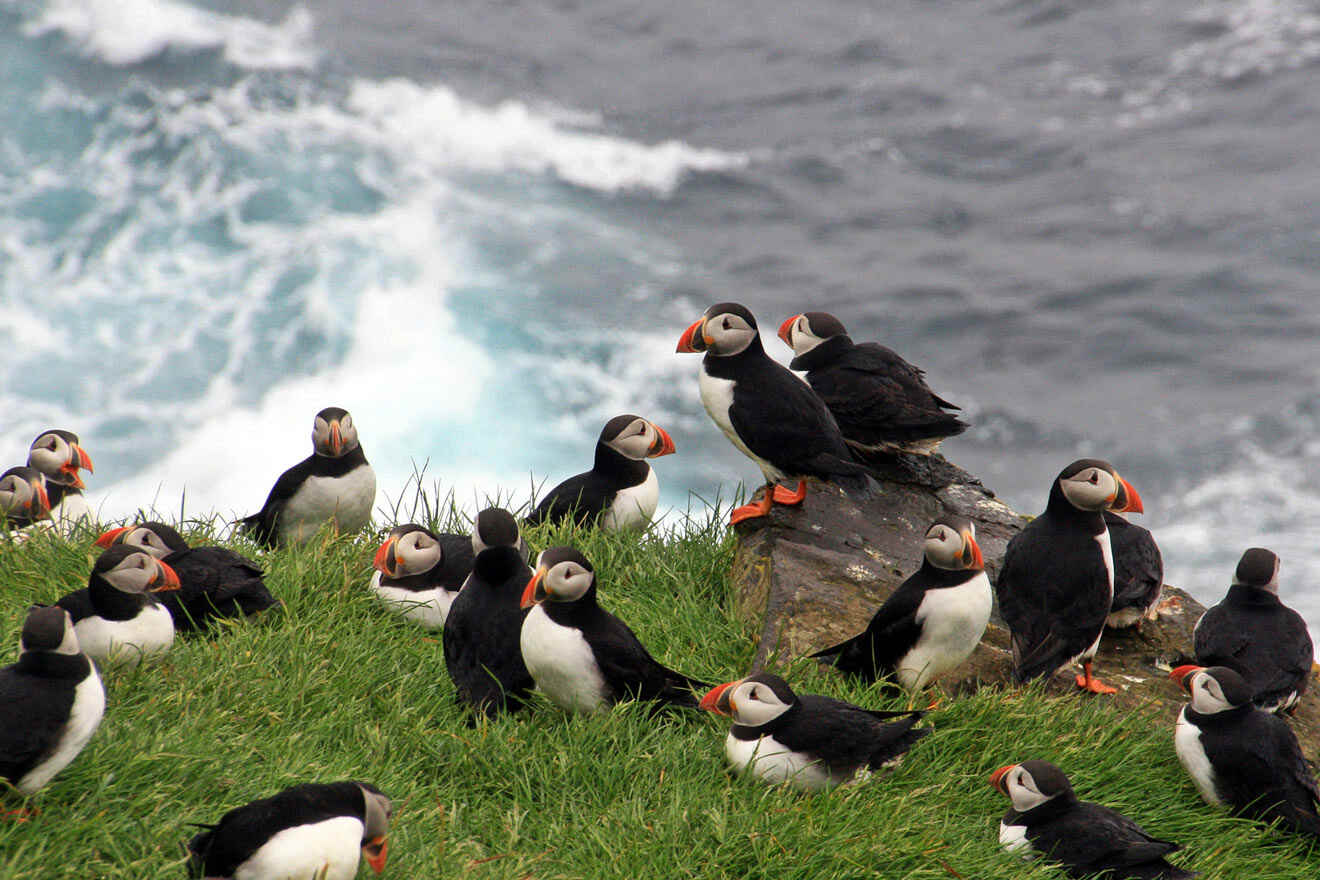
x,y
725,323
1095,478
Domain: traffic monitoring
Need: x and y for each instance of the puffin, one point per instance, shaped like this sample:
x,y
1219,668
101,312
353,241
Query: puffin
x,y
1057,580
1239,756
214,582
1087,839
58,456
808,741
933,621
24,500
117,616
1138,573
620,491
767,412
418,573
1254,633
313,831
334,484
582,657
881,402
52,701
482,627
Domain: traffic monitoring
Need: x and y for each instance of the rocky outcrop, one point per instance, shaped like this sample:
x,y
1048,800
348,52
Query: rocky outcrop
x,y
811,576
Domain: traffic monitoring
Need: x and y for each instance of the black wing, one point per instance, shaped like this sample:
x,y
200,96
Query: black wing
x,y
214,582
35,712
262,524
1260,773
888,637
847,737
1091,838
877,397
629,669
582,497
1138,565
78,604
482,650
1269,645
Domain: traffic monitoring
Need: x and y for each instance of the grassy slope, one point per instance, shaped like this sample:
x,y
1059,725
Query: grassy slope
x,y
336,688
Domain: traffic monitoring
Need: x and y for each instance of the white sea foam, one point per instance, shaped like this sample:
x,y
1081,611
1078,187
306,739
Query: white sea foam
x,y
126,32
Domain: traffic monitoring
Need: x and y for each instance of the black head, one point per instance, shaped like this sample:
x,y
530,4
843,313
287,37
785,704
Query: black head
x,y
1031,783
1258,568
494,527
333,432
45,629
725,330
824,325
951,544
157,538
58,455
1213,689
1093,485
753,701
562,574
635,438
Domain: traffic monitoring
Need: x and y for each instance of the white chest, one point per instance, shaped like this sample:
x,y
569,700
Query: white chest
x,y
326,850
634,506
952,622
562,664
772,762
84,718
429,608
72,510
1191,754
346,500
1107,552
1013,838
126,641
717,398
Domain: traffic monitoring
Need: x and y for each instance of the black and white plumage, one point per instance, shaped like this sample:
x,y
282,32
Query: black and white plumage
x,y
809,741
214,582
419,573
582,657
117,616
59,457
24,500
620,491
881,402
1239,756
767,412
933,621
314,831
1047,820
1138,573
1056,584
51,701
1252,632
335,484
481,631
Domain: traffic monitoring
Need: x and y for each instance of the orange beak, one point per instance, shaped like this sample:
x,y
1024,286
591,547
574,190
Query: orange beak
x,y
717,699
71,470
171,579
41,499
108,539
663,445
1128,498
82,460
385,559
997,778
693,341
375,852
533,594
972,552
1183,673
336,439
786,330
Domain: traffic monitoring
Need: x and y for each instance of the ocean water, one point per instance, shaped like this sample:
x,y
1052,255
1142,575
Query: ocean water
x,y
482,227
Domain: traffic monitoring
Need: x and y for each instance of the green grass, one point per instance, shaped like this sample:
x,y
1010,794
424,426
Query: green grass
x,y
335,687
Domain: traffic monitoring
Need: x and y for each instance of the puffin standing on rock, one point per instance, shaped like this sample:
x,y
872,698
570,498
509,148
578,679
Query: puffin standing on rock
x,y
881,402
768,413
933,621
314,831
808,741
620,491
1254,633
334,484
582,657
52,701
1239,756
116,616
58,456
419,573
214,582
1087,839
1057,581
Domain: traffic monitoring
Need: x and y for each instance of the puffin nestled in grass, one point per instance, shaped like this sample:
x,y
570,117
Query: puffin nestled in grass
x,y
117,615
419,573
767,412
214,582
314,831
1048,821
808,741
620,491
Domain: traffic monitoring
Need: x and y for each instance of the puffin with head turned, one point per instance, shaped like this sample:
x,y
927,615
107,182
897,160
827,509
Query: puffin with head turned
x,y
57,454
117,616
767,412
24,500
1056,584
419,573
214,582
1239,756
808,741
1087,839
335,484
620,491
933,621
582,657
1254,633
881,402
